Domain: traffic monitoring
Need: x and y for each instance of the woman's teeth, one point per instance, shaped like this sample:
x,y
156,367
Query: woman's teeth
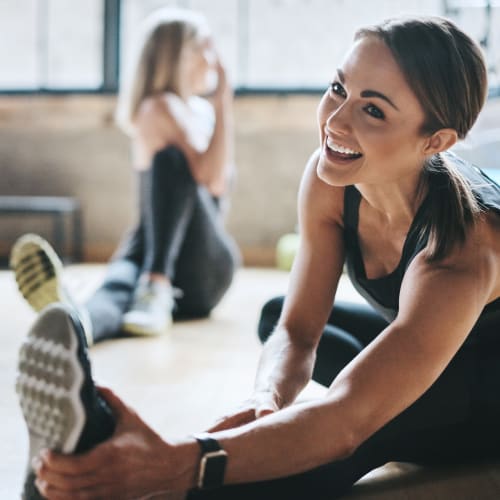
x,y
341,149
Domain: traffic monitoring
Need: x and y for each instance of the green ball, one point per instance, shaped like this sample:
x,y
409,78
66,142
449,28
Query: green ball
x,y
286,250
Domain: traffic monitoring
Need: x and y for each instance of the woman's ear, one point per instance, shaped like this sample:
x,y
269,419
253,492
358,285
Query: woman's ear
x,y
439,141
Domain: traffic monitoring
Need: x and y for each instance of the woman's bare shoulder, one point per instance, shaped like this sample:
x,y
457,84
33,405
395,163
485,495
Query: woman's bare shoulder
x,y
153,109
477,258
488,238
318,197
155,123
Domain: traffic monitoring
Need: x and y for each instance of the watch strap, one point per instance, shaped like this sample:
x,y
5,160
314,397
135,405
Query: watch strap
x,y
212,463
206,442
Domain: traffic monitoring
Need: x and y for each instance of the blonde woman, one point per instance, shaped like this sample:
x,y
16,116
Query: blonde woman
x,y
181,150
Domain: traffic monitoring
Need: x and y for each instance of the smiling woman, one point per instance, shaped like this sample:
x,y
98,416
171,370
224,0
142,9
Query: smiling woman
x,y
415,377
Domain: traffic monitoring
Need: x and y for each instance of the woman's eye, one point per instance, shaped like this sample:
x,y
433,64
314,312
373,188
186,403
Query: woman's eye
x,y
374,111
336,88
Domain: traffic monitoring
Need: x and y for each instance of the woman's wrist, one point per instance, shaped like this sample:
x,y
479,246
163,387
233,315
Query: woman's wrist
x,y
183,457
268,397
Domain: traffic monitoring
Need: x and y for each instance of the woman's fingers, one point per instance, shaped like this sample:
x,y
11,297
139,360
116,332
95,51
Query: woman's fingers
x,y
266,403
262,411
262,404
85,463
234,420
116,404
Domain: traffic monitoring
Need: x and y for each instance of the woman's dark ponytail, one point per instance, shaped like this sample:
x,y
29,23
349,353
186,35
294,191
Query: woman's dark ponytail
x,y
452,207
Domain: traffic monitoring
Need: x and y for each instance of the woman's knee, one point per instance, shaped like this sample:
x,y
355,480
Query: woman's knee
x,y
171,166
269,317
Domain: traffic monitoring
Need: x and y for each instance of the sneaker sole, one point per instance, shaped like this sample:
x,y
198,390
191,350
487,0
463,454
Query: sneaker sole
x,y
143,332
49,382
135,328
37,270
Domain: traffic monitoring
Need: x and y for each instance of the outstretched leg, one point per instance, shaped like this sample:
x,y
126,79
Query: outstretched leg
x,y
349,329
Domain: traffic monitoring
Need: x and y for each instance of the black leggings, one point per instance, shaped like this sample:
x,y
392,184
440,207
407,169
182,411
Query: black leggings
x,y
180,234
455,421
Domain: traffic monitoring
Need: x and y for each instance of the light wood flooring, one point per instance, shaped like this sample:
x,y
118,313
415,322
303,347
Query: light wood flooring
x,y
182,382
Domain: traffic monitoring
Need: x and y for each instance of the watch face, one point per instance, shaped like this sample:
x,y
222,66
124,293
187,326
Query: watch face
x,y
212,469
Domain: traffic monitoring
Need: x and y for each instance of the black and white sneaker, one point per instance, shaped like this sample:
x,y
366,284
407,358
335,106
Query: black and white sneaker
x,y
59,401
38,273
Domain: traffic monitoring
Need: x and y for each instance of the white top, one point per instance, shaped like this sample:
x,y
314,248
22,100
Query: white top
x,y
196,118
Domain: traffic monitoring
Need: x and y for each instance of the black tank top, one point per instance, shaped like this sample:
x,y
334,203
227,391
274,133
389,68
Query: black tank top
x,y
383,293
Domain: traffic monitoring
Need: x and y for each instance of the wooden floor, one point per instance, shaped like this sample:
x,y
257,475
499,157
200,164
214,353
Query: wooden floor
x,y
182,382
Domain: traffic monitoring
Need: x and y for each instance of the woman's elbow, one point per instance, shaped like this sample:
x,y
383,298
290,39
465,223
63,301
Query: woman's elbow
x,y
346,445
349,432
200,172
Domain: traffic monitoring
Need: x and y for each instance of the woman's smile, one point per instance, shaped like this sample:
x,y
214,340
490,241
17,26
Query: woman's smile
x,y
338,152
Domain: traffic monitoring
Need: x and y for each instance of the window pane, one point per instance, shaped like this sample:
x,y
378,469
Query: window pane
x,y
472,17
18,40
51,44
280,43
300,42
75,43
222,16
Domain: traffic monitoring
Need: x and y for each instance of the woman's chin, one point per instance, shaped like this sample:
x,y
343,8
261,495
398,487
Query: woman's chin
x,y
331,175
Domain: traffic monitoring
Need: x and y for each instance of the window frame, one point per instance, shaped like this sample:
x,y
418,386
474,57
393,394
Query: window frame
x,y
110,60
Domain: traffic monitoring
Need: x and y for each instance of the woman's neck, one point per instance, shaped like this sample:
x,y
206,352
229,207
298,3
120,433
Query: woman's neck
x,y
395,202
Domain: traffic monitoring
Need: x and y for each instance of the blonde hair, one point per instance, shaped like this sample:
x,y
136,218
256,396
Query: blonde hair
x,y
155,62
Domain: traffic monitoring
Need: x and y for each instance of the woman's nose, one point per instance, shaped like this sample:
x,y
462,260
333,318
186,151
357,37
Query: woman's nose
x,y
338,120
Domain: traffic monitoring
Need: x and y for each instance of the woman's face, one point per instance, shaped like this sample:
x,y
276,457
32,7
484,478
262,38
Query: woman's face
x,y
200,59
369,120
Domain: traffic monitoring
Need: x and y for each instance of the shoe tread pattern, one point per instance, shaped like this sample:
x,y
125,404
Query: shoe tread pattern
x,y
36,268
48,384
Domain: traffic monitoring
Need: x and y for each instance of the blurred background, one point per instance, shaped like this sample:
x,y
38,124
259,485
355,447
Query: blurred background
x,y
60,66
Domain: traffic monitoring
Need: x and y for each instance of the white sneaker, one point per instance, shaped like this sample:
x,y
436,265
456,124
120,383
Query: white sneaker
x,y
38,273
151,309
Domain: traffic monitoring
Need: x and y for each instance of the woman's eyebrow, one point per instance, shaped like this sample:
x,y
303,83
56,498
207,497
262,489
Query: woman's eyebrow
x,y
374,93
368,93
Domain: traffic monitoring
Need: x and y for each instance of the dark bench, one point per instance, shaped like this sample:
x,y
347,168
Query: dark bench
x,y
57,207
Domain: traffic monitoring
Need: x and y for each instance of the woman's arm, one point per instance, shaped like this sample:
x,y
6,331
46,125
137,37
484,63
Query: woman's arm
x,y
288,356
439,305
213,167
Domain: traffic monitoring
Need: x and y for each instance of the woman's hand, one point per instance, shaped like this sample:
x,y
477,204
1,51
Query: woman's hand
x,y
223,92
134,463
259,405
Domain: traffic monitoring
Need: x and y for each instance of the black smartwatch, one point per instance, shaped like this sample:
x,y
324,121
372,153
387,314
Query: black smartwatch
x,y
212,464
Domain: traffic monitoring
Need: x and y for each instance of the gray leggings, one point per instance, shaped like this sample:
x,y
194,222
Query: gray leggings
x,y
180,234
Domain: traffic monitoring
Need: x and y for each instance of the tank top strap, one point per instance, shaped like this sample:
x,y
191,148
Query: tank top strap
x,y
352,199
